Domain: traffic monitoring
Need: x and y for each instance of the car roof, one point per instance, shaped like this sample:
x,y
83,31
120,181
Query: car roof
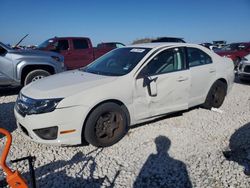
x,y
68,38
163,44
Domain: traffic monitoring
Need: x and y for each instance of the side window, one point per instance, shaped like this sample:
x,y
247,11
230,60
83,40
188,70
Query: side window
x,y
80,44
62,45
197,57
167,61
118,45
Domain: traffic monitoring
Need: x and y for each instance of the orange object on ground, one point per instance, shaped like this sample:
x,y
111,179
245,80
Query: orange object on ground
x,y
14,179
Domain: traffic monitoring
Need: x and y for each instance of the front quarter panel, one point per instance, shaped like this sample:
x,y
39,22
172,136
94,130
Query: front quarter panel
x,y
118,90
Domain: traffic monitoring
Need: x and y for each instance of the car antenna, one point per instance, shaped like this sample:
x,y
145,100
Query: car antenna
x,y
21,40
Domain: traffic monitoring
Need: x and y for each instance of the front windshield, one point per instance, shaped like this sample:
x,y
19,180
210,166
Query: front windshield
x,y
232,47
118,62
45,44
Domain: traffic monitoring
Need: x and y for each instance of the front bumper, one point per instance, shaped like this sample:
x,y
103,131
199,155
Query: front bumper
x,y
244,75
70,118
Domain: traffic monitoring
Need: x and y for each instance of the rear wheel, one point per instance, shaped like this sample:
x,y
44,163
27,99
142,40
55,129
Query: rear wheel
x,y
106,125
35,75
216,95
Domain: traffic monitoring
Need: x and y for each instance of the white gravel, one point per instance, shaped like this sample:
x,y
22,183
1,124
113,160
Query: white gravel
x,y
178,151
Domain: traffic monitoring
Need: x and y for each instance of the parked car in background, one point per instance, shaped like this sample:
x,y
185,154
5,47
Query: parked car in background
x,y
235,51
168,39
127,86
244,68
219,43
209,46
77,51
20,67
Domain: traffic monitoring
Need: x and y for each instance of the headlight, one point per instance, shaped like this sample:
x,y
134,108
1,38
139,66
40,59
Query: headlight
x,y
27,106
43,106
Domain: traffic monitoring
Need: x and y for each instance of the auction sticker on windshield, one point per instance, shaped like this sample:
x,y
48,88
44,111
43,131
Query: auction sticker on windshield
x,y
137,50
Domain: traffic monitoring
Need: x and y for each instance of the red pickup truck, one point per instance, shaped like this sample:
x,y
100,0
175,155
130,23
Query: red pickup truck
x,y
235,51
77,51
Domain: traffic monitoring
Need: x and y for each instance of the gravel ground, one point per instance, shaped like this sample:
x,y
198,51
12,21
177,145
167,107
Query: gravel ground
x,y
183,150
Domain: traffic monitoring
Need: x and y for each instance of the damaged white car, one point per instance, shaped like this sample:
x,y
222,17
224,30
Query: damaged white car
x,y
127,86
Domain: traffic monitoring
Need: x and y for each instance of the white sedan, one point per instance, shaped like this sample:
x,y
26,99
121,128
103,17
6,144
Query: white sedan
x,y
127,86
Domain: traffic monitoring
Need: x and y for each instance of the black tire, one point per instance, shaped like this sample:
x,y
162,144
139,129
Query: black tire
x,y
216,95
106,125
35,75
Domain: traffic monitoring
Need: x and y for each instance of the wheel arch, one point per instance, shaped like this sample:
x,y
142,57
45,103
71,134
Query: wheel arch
x,y
28,68
116,101
222,80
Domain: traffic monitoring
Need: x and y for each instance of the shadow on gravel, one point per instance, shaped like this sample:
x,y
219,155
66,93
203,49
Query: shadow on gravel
x,y
161,170
55,174
240,148
172,115
7,91
7,119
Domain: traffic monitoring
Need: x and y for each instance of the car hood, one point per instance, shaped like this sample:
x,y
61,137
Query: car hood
x,y
64,84
33,53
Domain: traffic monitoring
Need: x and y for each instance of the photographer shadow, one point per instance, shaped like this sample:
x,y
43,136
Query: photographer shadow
x,y
7,119
161,170
239,146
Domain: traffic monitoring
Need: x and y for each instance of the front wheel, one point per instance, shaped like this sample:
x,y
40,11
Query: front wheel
x,y
106,125
216,95
35,75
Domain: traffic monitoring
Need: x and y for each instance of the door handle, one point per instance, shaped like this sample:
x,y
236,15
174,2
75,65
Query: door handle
x,y
211,70
182,79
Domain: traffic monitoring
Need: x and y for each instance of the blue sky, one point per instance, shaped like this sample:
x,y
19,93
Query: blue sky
x,y
124,21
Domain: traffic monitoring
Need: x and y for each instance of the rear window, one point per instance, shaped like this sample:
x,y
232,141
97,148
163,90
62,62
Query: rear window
x,y
80,44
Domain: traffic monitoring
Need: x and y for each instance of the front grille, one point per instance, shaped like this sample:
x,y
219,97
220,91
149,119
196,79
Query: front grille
x,y
247,69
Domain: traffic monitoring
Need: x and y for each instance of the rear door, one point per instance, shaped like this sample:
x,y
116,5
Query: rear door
x,y
82,54
6,68
202,72
169,79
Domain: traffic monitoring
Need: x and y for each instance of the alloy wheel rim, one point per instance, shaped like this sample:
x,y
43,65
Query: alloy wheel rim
x,y
108,126
37,78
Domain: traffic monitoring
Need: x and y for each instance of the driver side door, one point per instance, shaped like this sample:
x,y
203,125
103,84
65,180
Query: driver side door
x,y
163,85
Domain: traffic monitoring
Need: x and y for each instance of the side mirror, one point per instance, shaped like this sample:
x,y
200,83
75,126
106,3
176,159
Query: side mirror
x,y
150,83
53,48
